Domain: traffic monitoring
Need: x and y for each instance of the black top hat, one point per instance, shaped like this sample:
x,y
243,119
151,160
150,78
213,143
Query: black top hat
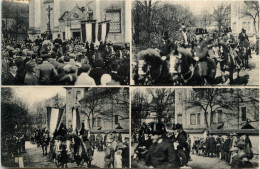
x,y
199,31
158,128
205,31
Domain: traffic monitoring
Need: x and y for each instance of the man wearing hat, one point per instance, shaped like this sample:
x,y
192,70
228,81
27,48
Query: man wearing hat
x,y
126,52
57,43
30,77
53,60
47,72
97,72
5,64
10,78
161,153
212,145
167,45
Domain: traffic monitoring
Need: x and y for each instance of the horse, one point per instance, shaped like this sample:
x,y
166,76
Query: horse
x,y
70,150
152,69
45,140
230,62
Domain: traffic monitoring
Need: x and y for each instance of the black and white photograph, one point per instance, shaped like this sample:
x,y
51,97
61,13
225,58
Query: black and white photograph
x,y
57,127
195,43
66,42
195,128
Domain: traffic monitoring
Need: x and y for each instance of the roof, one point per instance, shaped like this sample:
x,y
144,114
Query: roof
x,y
70,14
62,16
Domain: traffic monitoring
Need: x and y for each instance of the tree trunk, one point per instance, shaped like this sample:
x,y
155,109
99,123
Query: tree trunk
x,y
206,119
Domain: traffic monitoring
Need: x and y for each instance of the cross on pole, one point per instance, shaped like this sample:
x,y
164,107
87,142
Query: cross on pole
x,y
49,18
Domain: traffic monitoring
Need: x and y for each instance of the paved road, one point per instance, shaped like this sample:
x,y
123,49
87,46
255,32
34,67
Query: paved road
x,y
34,158
199,161
206,162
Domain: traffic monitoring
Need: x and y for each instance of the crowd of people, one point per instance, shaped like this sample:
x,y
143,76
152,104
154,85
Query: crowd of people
x,y
65,146
175,62
160,146
70,62
14,144
234,148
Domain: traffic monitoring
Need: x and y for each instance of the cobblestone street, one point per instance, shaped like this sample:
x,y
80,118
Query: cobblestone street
x,y
33,158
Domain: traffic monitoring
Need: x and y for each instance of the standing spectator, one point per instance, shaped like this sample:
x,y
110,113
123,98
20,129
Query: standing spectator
x,y
47,72
10,78
30,77
84,78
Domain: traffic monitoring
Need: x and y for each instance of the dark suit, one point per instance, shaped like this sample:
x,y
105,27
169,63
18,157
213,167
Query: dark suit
x,y
46,73
162,155
96,74
9,79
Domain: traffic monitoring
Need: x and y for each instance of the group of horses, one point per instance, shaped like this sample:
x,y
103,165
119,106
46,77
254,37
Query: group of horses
x,y
64,149
153,69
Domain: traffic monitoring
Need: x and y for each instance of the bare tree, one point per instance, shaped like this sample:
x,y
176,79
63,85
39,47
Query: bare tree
x,y
104,102
139,107
161,99
252,10
221,15
15,18
151,20
212,99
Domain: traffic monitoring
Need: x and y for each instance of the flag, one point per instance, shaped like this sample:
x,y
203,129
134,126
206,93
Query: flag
x,y
54,117
103,30
75,119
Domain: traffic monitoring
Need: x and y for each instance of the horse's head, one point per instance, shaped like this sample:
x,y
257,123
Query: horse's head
x,y
149,62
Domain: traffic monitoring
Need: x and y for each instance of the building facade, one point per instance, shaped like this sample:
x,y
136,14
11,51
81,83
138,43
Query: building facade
x,y
109,114
66,17
239,21
244,110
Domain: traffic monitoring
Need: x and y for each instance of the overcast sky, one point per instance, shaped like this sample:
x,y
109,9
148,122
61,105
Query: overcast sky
x,y
30,95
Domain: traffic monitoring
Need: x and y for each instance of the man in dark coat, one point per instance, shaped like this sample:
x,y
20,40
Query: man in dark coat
x,y
46,71
92,139
167,45
207,144
97,72
161,153
10,78
212,145
226,147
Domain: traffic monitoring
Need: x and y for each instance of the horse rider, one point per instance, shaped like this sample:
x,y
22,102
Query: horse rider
x,y
57,43
89,149
167,45
199,52
110,53
161,153
244,44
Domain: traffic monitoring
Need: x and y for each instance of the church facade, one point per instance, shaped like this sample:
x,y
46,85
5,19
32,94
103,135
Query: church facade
x,y
85,19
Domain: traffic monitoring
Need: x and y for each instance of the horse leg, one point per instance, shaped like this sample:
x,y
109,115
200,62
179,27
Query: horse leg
x,y
231,75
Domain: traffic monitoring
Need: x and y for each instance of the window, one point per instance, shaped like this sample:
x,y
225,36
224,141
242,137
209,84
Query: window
x,y
116,119
115,20
193,119
244,25
243,113
180,97
94,122
63,35
179,118
198,119
98,122
220,116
